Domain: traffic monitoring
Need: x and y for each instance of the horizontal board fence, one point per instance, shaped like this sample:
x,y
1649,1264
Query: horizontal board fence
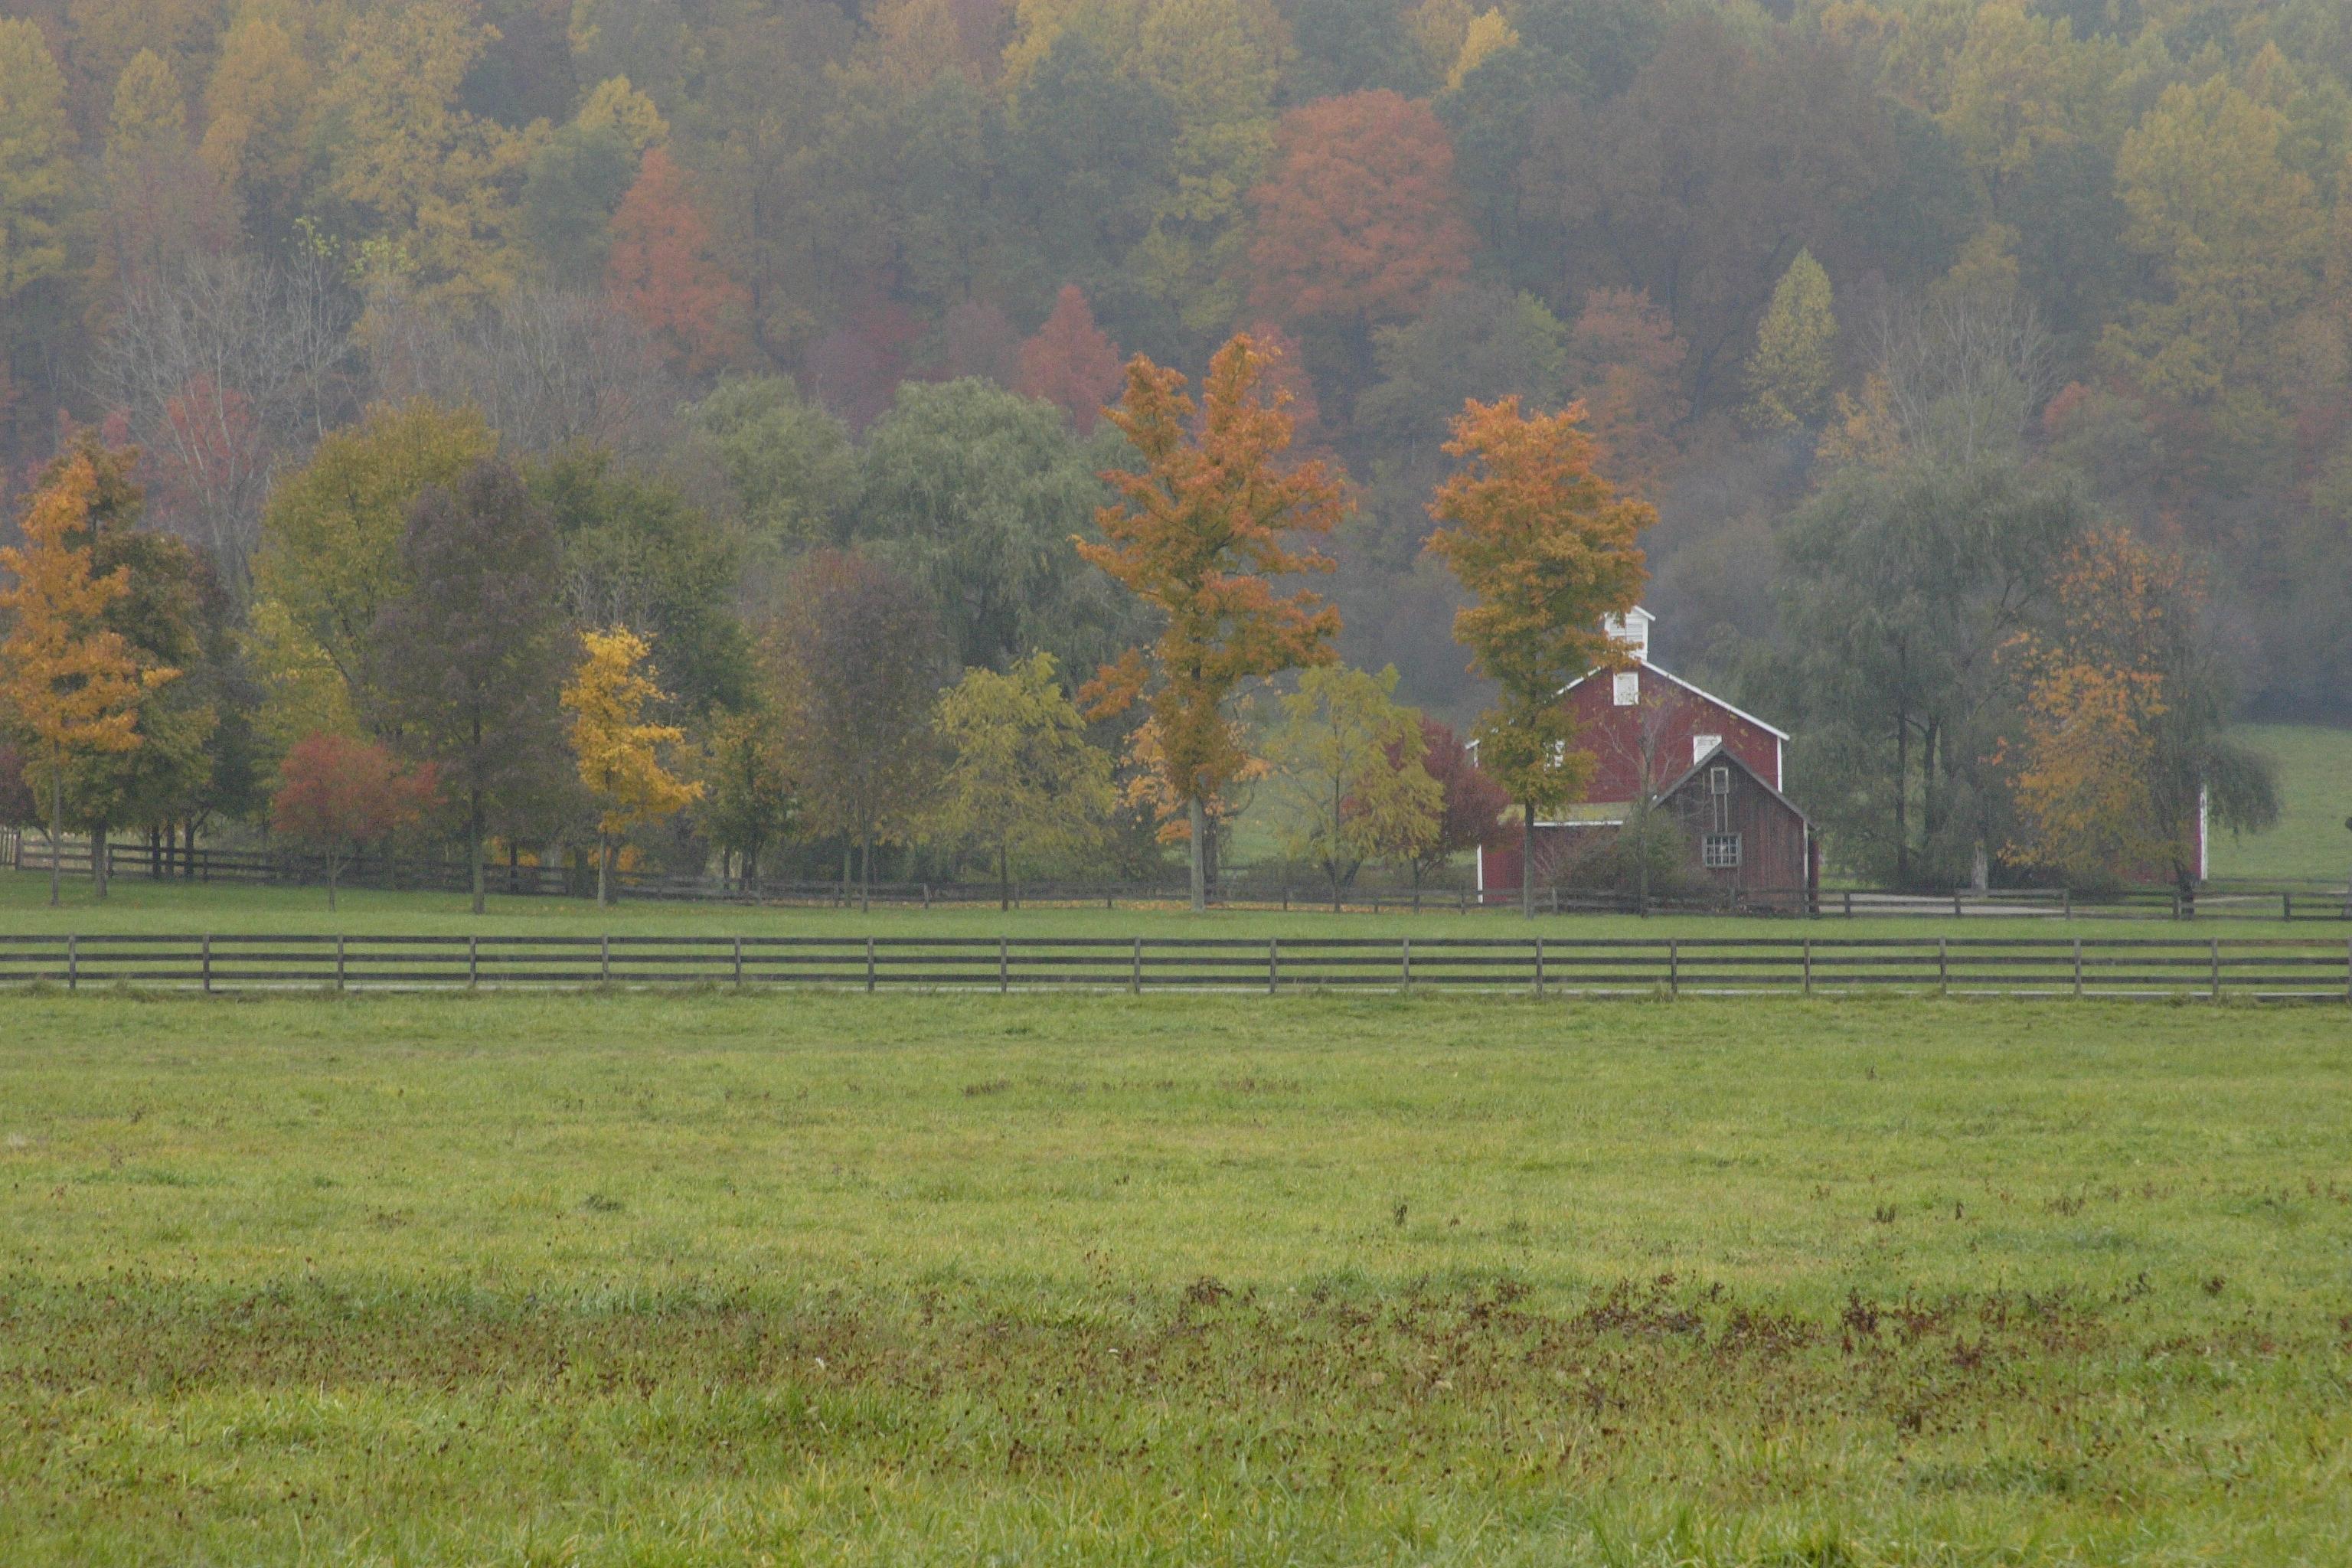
x,y
2307,901
2216,968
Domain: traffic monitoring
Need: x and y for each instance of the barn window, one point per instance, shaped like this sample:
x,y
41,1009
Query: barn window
x,y
1719,780
1720,852
1627,687
1701,745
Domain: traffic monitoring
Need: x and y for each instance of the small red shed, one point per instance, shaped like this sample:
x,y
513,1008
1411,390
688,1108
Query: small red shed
x,y
1653,734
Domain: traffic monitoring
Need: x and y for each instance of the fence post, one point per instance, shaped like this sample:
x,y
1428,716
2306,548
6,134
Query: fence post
x,y
2217,969
73,963
1273,964
605,959
869,966
2065,903
738,964
1539,973
1943,966
1809,967
1956,903
1405,960
1135,976
1673,966
1004,966
473,962
1849,903
209,965
339,963
2286,906
2078,967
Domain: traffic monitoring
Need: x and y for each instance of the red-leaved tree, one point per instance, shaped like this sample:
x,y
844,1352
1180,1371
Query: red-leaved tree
x,y
1359,220
664,271
1472,802
1071,363
336,794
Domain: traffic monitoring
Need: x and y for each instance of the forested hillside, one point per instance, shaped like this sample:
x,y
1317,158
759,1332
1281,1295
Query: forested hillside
x,y
1888,306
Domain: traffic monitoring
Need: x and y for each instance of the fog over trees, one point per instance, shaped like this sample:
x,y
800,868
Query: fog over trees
x,y
425,336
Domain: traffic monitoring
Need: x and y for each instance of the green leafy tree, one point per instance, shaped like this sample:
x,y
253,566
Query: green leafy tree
x,y
749,803
330,559
854,655
638,554
789,462
1349,775
471,657
1795,360
1024,787
976,494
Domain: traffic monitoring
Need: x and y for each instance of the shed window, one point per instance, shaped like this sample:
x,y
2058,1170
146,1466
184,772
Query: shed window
x,y
1719,780
1720,852
1627,687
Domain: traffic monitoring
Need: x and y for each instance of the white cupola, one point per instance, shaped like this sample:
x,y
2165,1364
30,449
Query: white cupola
x,y
1630,631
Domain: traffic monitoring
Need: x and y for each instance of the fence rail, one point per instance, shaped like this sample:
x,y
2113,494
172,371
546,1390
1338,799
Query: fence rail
x,y
2215,969
2298,901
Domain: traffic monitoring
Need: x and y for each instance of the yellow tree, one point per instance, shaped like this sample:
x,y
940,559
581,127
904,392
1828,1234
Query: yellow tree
x,y
1026,787
1546,548
2084,780
1201,532
1788,375
620,754
73,687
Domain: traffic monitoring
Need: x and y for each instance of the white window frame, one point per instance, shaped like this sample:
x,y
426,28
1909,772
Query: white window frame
x,y
1720,852
1625,689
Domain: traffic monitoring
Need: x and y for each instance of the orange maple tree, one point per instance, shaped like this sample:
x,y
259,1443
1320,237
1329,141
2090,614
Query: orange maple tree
x,y
1200,533
1071,363
70,684
664,271
1545,549
1360,218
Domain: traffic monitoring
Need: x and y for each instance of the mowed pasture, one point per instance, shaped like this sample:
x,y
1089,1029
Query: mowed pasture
x,y
138,905
811,1278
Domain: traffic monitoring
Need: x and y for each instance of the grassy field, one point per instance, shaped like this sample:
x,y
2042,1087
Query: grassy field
x,y
2316,775
621,1280
138,905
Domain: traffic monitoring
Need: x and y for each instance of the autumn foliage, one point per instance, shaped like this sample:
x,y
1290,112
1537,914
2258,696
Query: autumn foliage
x,y
1071,363
621,750
71,685
1360,218
662,271
1545,549
337,794
1200,532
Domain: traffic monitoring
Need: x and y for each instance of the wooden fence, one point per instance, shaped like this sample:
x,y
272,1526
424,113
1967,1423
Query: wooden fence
x,y
2274,969
2307,901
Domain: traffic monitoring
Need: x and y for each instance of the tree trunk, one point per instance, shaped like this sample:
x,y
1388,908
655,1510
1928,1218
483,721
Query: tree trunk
x,y
848,857
1901,801
864,867
334,869
474,845
97,860
1004,879
1198,817
604,869
56,825
1528,859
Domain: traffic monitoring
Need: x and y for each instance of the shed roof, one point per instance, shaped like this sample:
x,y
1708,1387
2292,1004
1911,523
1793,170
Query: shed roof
x,y
1718,752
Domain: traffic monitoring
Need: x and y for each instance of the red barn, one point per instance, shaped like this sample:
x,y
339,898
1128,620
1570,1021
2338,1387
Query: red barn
x,y
1716,769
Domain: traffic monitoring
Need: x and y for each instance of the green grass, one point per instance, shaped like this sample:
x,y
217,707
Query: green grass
x,y
138,905
813,1278
2315,777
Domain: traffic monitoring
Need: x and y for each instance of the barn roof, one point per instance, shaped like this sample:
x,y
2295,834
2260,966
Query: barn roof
x,y
1703,695
1719,753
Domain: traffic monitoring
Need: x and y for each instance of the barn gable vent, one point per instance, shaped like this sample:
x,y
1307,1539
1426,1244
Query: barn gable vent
x,y
1630,631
